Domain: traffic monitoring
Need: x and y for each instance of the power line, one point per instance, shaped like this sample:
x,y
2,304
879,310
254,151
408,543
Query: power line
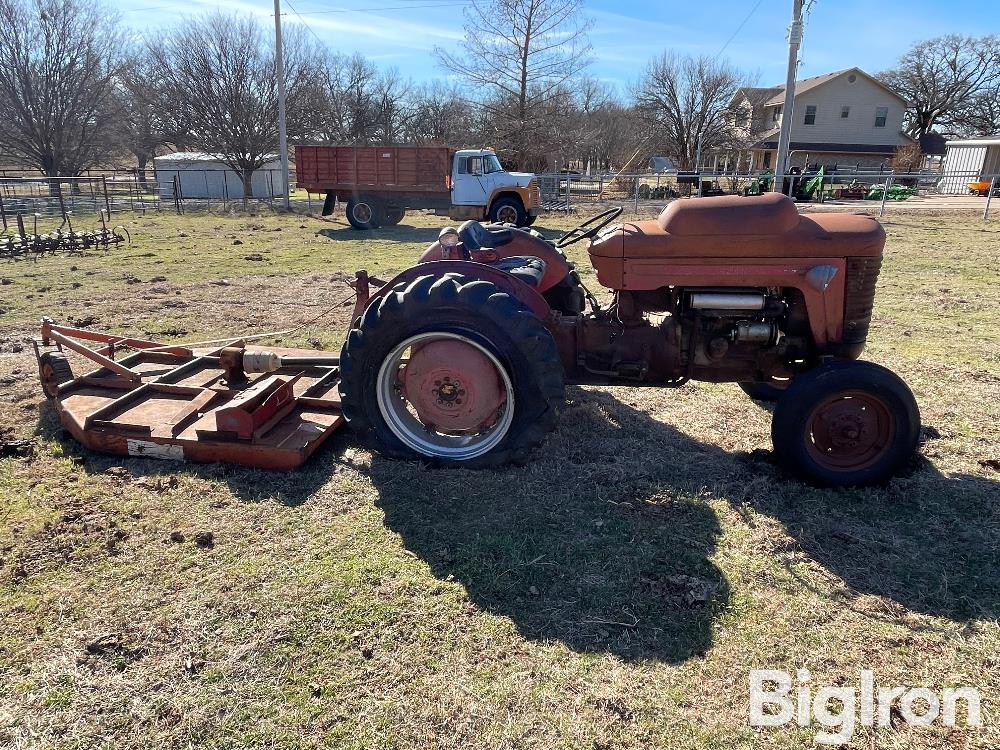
x,y
739,28
454,4
304,23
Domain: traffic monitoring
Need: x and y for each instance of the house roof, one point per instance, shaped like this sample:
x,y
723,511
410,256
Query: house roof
x,y
808,84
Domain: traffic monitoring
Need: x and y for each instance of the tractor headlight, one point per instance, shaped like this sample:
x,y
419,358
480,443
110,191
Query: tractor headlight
x,y
448,238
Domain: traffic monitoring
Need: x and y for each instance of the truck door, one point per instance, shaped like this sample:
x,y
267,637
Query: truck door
x,y
469,182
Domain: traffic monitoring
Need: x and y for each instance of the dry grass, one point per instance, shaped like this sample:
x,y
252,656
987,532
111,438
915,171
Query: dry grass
x,y
366,603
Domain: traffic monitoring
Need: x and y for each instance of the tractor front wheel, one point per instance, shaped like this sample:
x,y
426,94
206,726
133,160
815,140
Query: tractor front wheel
x,y
846,424
451,370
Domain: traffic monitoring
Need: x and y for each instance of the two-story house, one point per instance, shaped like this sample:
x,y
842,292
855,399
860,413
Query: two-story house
x,y
844,118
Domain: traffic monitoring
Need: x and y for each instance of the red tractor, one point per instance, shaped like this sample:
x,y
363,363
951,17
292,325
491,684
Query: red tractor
x,y
463,358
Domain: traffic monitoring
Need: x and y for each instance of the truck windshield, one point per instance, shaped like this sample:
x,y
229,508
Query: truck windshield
x,y
491,163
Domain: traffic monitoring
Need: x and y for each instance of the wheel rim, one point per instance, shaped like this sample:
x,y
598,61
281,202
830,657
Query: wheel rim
x,y
49,384
362,213
850,431
436,393
507,215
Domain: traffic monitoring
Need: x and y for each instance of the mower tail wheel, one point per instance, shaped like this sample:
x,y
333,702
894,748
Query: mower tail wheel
x,y
846,424
363,212
451,370
53,371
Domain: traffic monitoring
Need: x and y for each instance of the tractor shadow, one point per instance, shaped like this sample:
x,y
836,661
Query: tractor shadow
x,y
606,541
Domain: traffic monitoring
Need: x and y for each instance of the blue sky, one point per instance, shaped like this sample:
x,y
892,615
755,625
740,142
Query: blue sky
x,y
839,33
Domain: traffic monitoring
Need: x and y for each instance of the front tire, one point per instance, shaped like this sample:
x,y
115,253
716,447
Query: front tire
x,y
846,424
363,212
451,370
508,211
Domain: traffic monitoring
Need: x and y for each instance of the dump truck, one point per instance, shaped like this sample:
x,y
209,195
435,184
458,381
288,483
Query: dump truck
x,y
379,184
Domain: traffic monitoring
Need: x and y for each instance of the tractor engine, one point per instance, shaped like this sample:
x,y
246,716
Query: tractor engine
x,y
671,335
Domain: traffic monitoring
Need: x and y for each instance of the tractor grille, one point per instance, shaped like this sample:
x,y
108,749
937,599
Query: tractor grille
x,y
862,275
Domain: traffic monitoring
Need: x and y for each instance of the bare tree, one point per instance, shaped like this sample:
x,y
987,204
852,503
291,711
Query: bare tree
x,y
521,54
940,76
980,115
144,114
219,73
58,60
685,102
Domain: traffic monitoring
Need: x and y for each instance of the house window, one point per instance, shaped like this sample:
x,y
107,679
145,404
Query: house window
x,y
881,115
810,115
776,114
845,112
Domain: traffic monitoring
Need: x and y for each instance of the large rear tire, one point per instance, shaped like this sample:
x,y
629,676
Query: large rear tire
x,y
363,212
490,358
846,424
392,216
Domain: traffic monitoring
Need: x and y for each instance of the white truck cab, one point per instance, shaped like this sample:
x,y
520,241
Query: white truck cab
x,y
480,183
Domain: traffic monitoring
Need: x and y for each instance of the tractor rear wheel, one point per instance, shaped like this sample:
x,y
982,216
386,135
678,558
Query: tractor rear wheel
x,y
846,424
452,370
363,212
53,371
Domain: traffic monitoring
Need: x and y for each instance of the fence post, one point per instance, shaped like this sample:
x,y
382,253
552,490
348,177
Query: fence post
x,y
637,195
107,201
986,211
208,192
885,194
3,213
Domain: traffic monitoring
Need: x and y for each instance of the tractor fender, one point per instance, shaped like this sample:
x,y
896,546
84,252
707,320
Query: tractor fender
x,y
471,270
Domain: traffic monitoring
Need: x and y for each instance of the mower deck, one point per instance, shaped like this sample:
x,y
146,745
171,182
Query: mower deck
x,y
189,407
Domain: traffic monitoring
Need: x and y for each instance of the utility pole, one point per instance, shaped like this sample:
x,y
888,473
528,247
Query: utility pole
x,y
788,108
279,69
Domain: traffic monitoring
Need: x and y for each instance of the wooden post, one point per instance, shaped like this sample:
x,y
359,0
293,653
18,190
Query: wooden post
x,y
989,198
885,194
107,201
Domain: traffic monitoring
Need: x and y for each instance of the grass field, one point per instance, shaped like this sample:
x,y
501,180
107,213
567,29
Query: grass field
x,y
614,593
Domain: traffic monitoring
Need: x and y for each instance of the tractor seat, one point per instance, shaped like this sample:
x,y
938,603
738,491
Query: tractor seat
x,y
526,268
475,235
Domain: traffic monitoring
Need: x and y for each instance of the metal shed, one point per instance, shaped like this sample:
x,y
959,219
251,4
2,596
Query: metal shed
x,y
969,160
201,175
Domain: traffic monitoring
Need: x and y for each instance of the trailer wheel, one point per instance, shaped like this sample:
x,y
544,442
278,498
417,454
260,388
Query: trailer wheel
x,y
363,212
392,216
451,370
508,211
846,424
53,370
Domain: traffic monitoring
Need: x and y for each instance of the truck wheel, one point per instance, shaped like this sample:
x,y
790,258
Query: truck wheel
x,y
452,370
846,424
529,220
508,211
53,371
363,213
392,216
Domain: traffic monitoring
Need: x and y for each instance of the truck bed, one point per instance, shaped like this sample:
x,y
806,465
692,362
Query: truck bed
x,y
410,169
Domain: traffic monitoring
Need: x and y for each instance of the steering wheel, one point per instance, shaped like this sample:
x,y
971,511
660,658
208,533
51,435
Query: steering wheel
x,y
589,228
